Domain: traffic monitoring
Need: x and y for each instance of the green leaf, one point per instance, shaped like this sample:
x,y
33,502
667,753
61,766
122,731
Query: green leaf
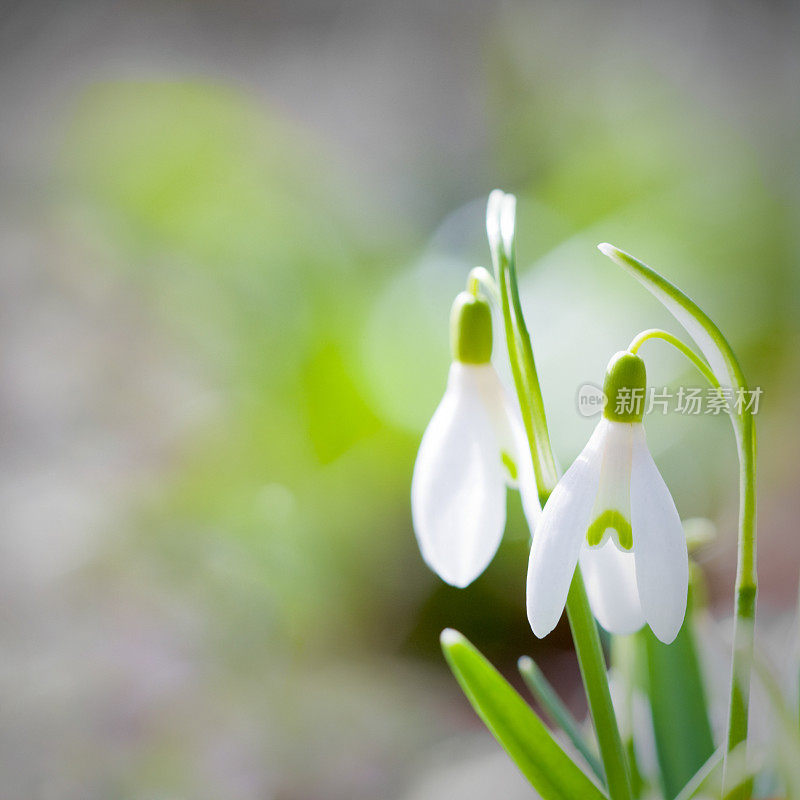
x,y
700,780
707,781
560,715
684,741
698,324
515,725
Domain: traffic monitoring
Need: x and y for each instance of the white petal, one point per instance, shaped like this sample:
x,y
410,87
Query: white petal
x,y
458,496
659,545
485,382
560,534
610,577
512,440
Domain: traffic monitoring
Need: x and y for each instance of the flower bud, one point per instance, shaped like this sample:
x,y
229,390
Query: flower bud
x,y
624,388
471,329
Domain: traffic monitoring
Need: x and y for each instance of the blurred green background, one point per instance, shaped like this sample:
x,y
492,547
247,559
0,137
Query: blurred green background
x,y
230,236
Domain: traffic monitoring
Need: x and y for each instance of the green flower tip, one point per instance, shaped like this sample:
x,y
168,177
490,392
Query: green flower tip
x,y
525,664
624,387
501,213
471,329
450,637
615,254
607,249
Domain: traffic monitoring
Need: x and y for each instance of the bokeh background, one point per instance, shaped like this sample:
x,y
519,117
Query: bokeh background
x,y
230,234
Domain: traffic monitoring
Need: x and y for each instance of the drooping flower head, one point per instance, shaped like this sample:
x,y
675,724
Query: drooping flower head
x,y
613,513
473,447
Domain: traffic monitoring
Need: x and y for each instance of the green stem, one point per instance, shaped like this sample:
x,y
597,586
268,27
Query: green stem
x,y
548,474
595,681
657,333
745,607
526,381
584,629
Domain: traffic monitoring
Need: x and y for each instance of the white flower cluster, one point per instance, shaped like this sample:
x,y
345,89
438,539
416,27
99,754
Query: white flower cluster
x,y
611,512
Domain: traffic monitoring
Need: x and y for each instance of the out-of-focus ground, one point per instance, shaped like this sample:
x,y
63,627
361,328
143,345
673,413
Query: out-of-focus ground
x,y
229,237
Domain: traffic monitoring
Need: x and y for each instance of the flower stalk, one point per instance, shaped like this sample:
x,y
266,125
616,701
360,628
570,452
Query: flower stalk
x,y
500,220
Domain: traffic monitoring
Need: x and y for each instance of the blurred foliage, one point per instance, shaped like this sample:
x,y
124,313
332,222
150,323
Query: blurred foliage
x,y
225,223
249,244
317,329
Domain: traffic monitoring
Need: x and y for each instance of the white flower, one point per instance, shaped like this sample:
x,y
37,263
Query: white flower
x,y
612,512
473,447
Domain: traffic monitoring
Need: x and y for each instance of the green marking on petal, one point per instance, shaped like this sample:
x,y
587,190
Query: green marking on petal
x,y
510,465
610,519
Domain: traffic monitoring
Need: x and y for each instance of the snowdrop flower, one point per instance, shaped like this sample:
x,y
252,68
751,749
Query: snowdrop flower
x,y
613,513
474,446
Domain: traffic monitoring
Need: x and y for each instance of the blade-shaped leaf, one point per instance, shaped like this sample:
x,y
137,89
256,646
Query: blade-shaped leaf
x,y
682,729
699,781
515,725
707,781
697,323
560,715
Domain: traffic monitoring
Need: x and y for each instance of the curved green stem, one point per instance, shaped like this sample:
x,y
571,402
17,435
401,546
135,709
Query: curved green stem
x,y
657,333
727,370
500,226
